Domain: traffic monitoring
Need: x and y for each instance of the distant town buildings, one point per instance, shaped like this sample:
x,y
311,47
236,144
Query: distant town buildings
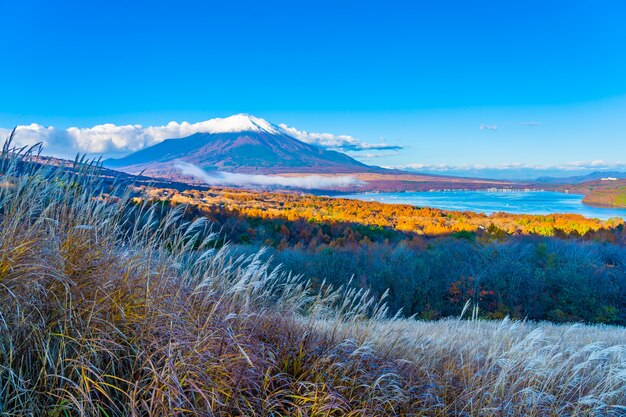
x,y
608,179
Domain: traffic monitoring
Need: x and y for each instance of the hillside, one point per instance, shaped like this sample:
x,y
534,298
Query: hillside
x,y
430,260
601,193
108,178
114,309
422,221
609,197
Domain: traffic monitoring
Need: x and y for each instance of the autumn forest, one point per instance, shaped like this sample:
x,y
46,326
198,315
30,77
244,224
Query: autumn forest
x,y
433,263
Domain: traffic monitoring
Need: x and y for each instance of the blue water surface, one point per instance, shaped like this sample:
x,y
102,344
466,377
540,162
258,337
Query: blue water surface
x,y
520,202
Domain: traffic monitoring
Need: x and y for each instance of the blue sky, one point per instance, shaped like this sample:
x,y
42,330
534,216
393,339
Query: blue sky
x,y
545,80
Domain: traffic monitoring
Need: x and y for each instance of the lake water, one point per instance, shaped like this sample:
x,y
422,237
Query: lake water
x,y
531,202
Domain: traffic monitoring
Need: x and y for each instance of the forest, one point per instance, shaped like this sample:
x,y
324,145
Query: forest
x,y
433,263
113,304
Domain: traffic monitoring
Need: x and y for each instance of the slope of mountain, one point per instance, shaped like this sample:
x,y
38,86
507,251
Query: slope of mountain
x,y
577,179
600,193
242,144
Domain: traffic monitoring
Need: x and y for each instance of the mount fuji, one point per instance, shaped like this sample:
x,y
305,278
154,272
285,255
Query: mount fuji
x,y
247,146
241,144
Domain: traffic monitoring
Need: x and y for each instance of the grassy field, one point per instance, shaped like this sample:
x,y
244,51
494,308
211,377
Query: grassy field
x,y
107,309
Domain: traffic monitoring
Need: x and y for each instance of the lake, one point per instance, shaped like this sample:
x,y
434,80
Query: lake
x,y
520,202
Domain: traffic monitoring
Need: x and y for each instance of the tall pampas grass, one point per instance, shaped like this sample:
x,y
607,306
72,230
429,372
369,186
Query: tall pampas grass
x,y
109,308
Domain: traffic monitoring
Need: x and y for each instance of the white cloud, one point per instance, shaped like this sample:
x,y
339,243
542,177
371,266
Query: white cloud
x,y
28,135
109,139
373,155
338,142
488,127
102,139
233,179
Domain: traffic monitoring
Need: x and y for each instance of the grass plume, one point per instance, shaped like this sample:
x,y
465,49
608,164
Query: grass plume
x,y
113,309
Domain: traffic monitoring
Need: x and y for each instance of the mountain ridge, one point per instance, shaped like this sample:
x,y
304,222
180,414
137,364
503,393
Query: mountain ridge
x,y
244,144
578,179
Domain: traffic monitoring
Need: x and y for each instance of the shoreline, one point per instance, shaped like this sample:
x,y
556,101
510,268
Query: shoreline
x,y
490,207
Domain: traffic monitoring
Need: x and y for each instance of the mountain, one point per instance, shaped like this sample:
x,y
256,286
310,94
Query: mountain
x,y
242,144
577,179
230,149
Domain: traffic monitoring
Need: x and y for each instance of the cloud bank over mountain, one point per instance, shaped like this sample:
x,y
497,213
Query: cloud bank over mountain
x,y
231,179
336,142
113,140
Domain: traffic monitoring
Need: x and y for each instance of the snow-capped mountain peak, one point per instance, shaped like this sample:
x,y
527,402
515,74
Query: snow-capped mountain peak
x,y
237,123
239,143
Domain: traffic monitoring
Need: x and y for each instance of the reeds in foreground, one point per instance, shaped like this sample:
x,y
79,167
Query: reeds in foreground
x,y
112,309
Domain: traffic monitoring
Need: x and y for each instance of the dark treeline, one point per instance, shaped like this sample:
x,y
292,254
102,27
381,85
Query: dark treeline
x,y
560,279
523,277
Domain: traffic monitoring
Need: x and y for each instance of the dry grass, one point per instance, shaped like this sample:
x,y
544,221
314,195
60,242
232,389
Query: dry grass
x,y
108,309
507,368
